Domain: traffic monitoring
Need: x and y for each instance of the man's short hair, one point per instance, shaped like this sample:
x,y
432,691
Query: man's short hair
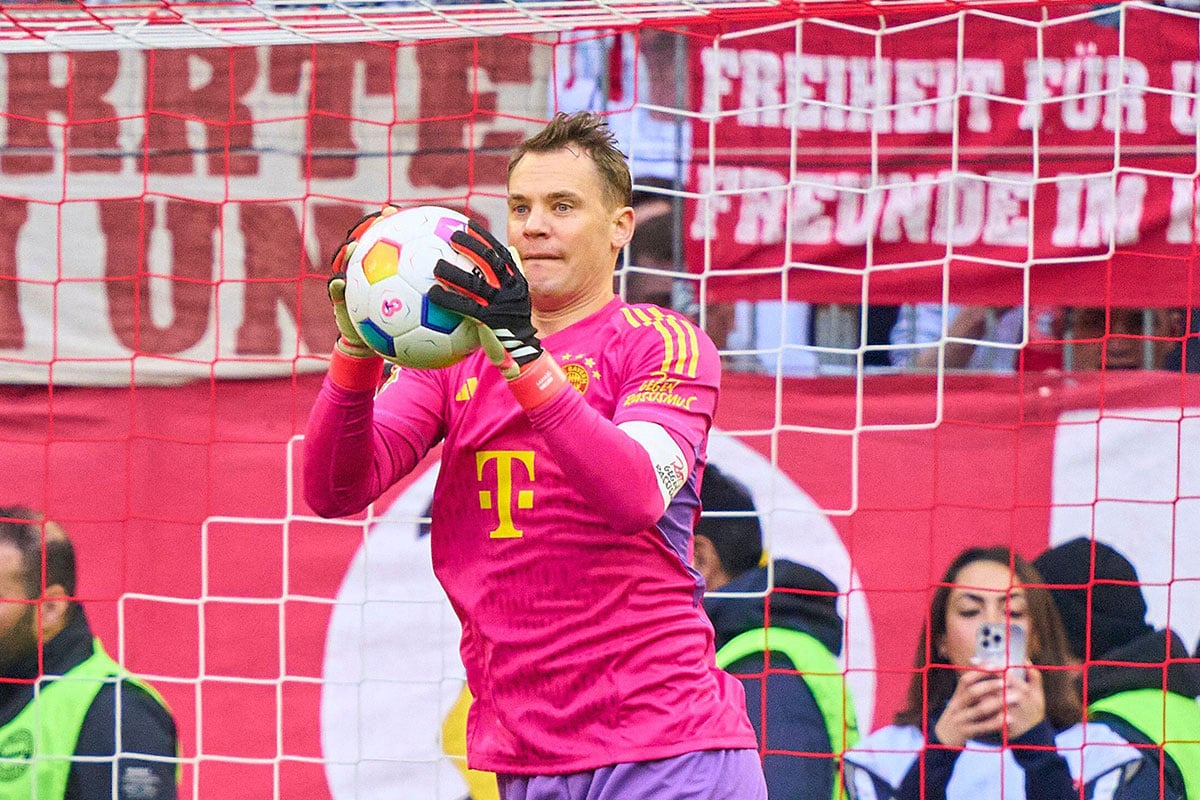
x,y
589,132
42,545
737,538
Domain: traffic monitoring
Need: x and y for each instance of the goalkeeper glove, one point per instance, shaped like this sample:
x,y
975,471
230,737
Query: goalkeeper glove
x,y
350,342
496,295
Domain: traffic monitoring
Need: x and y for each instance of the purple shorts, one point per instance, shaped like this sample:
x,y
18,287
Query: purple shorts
x,y
703,775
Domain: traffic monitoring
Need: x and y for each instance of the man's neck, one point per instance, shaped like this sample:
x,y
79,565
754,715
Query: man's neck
x,y
548,321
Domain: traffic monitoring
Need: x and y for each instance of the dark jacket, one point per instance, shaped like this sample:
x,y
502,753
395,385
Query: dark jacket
x,y
146,727
1120,670
803,600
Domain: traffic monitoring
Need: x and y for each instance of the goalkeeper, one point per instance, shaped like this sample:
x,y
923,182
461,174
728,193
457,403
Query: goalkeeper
x,y
574,443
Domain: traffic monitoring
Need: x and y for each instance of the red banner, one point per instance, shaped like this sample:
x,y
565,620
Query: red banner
x,y
319,656
170,214
969,150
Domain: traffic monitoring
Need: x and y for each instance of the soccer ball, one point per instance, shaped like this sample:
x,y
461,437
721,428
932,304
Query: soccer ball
x,y
387,280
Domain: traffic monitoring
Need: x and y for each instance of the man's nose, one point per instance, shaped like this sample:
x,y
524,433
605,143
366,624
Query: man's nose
x,y
535,223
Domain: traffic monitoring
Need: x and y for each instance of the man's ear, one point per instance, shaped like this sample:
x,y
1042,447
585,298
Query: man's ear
x,y
622,227
55,604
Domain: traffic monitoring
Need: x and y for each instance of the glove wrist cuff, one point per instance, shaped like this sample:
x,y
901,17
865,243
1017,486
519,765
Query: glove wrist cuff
x,y
540,380
357,373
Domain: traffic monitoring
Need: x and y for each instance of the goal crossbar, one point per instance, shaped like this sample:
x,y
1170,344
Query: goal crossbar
x,y
42,27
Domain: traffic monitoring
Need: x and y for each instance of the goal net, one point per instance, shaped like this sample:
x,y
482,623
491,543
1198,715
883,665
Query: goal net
x,y
947,250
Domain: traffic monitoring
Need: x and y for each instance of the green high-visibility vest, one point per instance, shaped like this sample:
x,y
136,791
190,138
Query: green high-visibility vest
x,y
1170,720
37,746
820,672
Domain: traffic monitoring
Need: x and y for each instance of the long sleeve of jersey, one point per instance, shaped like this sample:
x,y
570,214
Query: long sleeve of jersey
x,y
607,463
351,455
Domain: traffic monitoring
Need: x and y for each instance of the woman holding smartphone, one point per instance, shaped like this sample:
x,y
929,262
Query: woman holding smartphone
x,y
975,729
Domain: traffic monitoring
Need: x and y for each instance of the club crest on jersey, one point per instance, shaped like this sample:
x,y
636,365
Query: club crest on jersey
x,y
580,370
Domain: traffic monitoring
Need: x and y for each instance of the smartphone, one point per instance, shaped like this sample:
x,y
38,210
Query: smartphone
x,y
997,647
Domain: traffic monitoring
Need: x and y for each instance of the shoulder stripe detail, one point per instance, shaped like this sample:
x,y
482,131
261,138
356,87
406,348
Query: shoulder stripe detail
x,y
689,346
682,347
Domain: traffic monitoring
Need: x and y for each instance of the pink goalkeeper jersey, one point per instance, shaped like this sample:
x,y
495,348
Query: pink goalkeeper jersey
x,y
584,645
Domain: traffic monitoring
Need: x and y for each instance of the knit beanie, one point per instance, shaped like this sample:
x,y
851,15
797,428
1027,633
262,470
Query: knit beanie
x,y
738,537
1118,610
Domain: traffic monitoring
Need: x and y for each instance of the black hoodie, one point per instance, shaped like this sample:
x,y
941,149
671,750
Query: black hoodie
x,y
1106,677
803,600
1153,649
146,727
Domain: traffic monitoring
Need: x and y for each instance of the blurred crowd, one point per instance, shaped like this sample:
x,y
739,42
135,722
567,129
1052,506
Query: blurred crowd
x,y
771,335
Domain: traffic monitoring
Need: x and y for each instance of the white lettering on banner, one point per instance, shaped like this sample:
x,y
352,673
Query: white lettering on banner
x,y
1185,78
907,210
188,246
843,208
810,223
837,93
762,208
958,211
917,95
1093,92
1185,211
992,209
1089,210
1007,219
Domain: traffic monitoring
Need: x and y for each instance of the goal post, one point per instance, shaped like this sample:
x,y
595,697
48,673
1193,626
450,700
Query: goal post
x,y
947,251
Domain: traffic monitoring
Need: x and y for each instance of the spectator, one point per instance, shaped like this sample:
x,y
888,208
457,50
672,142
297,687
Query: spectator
x,y
918,329
651,248
632,78
64,703
810,718
587,652
652,197
1137,679
1122,338
972,731
1185,355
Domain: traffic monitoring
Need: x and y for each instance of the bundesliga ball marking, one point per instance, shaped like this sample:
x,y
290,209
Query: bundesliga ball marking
x,y
387,286
390,306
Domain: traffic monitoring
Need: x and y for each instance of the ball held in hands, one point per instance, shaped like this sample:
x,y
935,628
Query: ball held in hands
x,y
350,342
